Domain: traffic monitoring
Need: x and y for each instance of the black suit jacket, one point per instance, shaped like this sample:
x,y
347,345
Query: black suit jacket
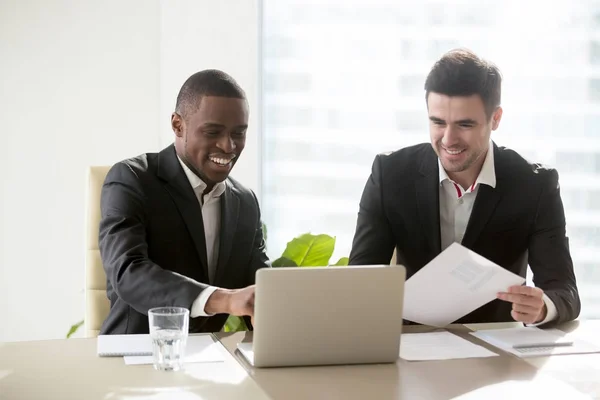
x,y
519,222
152,242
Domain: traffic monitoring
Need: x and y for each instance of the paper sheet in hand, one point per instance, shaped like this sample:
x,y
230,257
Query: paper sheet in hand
x,y
199,349
452,285
505,339
439,346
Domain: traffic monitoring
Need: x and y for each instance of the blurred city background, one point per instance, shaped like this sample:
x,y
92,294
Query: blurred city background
x,y
343,81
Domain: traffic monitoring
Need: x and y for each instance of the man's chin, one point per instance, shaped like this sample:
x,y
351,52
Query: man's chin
x,y
217,173
453,167
218,178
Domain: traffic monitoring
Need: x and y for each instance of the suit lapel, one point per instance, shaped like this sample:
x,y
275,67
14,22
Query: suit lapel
x,y
428,201
485,203
178,186
230,205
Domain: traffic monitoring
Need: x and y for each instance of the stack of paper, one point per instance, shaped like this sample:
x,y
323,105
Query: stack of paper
x,y
439,346
532,341
137,349
452,285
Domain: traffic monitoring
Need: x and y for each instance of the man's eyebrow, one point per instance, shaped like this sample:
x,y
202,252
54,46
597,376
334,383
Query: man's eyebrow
x,y
467,121
213,125
461,121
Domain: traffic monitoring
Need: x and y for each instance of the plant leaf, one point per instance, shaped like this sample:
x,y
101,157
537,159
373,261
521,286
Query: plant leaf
x,y
341,262
235,324
310,250
283,262
74,328
264,232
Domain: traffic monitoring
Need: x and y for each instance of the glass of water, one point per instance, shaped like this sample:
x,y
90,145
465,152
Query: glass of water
x,y
169,332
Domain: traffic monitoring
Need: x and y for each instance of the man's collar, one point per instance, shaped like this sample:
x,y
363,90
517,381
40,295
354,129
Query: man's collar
x,y
198,184
487,175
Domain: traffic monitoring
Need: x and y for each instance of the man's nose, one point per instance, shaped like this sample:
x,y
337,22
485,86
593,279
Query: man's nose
x,y
450,137
226,144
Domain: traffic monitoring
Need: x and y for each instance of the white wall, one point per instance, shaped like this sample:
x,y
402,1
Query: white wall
x,y
89,83
223,34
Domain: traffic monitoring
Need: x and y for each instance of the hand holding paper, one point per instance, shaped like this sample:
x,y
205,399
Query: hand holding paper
x,y
452,285
527,303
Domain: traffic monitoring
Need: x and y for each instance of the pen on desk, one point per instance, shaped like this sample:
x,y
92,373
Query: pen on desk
x,y
536,345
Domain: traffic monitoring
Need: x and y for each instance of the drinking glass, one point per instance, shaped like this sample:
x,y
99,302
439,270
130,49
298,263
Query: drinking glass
x,y
169,332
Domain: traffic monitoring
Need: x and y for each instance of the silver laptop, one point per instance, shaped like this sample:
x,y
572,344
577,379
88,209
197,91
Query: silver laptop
x,y
326,316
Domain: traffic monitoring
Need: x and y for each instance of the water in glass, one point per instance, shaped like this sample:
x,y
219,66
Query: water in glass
x,y
169,347
169,332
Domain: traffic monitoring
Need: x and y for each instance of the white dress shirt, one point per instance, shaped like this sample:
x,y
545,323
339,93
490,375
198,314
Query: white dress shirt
x,y
456,204
211,216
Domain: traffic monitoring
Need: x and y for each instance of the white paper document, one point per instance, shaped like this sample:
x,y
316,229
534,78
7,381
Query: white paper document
x,y
439,346
452,285
199,349
124,345
532,342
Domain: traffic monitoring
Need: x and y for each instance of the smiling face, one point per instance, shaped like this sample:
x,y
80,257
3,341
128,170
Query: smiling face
x,y
211,138
460,133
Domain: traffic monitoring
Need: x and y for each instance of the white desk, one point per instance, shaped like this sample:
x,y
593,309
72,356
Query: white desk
x,y
433,379
70,369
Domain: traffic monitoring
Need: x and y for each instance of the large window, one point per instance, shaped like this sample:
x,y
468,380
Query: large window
x,y
343,81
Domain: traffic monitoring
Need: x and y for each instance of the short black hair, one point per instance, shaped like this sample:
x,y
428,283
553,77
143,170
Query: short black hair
x,y
460,72
210,82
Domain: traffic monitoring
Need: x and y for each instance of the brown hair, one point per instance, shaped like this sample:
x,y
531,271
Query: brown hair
x,y
461,72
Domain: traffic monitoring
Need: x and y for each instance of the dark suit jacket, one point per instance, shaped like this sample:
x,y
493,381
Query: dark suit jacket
x,y
152,241
520,221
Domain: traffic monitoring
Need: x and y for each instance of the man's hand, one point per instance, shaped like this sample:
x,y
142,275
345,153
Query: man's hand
x,y
527,303
238,302
241,302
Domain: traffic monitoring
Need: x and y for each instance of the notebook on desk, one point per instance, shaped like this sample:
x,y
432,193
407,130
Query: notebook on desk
x,y
124,345
533,341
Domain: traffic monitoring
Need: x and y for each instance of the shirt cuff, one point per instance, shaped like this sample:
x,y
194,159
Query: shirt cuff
x,y
551,312
200,302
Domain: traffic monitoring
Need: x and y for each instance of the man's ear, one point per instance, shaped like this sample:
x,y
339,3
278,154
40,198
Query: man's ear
x,y
177,124
496,117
